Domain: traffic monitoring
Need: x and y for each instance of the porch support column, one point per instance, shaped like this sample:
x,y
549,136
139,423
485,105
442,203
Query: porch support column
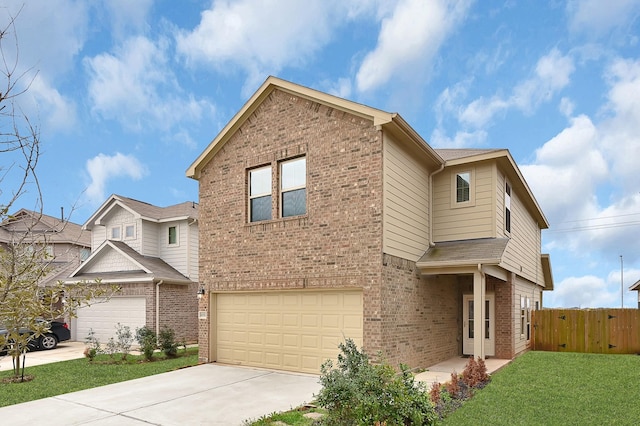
x,y
479,296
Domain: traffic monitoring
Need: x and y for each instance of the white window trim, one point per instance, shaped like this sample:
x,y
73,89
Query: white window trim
x,y
454,189
293,188
113,228
261,194
125,231
177,243
507,200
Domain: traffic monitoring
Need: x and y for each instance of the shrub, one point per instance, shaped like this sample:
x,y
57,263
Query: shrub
x,y
147,340
475,374
167,342
360,393
93,345
124,340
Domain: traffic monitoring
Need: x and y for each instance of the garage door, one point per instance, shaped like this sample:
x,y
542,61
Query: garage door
x,y
295,331
103,317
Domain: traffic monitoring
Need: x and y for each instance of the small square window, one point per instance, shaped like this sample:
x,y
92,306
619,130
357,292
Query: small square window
x,y
115,233
130,231
173,235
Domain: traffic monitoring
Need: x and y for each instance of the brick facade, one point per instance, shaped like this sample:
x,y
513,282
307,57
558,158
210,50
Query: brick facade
x,y
337,244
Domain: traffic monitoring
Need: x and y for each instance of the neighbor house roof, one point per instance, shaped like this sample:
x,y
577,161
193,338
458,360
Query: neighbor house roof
x,y
635,286
391,121
145,268
146,211
52,229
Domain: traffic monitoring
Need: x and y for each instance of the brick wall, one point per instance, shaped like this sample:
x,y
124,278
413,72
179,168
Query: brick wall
x,y
338,243
178,307
421,316
505,343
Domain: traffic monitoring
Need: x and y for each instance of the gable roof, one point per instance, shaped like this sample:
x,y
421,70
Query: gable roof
x,y
392,121
52,229
145,211
150,269
456,157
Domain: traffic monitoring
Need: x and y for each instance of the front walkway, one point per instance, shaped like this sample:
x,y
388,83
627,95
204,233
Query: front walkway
x,y
441,372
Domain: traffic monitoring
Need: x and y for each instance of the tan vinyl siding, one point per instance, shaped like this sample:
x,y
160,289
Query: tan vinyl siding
x,y
406,201
476,220
523,251
150,235
526,289
174,255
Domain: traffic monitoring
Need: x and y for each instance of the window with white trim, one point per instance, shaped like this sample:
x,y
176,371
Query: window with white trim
x,y
115,233
172,236
293,187
463,187
507,207
525,317
260,194
129,231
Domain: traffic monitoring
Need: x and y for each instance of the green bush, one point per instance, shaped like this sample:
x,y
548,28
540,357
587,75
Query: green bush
x,y
167,342
147,340
357,392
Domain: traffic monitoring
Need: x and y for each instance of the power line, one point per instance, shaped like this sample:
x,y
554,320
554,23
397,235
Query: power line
x,y
594,227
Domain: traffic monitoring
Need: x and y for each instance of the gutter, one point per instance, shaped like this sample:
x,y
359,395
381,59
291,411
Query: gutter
x,y
431,175
158,284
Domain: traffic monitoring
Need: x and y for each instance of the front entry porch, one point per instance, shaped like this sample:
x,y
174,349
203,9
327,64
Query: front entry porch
x,y
441,372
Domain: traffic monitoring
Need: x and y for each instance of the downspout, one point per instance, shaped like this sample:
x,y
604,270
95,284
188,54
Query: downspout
x,y
431,175
158,284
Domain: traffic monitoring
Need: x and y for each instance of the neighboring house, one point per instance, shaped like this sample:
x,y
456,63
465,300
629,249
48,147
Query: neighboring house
x,y
636,287
324,219
152,254
63,244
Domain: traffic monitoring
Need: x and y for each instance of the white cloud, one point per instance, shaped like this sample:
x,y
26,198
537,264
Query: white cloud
x,y
137,87
462,139
552,74
127,15
103,168
408,40
262,37
596,17
59,111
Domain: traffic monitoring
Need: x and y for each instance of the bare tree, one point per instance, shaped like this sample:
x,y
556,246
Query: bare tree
x,y
26,305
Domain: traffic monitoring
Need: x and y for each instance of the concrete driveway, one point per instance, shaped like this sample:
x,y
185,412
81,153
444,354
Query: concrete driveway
x,y
64,352
208,394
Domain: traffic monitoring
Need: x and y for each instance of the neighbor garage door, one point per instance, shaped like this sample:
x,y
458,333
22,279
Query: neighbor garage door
x,y
294,330
103,317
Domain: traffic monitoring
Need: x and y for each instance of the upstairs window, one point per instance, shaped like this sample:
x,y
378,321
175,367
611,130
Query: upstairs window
x,y
293,187
129,231
260,194
173,235
463,187
507,207
115,233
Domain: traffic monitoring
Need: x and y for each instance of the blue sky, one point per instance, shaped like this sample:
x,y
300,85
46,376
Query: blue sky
x,y
127,94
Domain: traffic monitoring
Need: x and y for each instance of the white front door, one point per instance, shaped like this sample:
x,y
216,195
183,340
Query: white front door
x,y
468,321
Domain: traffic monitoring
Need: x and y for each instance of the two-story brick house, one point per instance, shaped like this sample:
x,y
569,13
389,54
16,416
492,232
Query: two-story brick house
x,y
151,252
323,219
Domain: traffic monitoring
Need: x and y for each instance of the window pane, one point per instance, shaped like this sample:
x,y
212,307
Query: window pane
x,y
463,181
294,203
261,208
260,181
294,174
128,231
173,235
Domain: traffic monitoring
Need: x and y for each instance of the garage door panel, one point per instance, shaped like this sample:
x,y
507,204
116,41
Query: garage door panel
x,y
103,317
295,330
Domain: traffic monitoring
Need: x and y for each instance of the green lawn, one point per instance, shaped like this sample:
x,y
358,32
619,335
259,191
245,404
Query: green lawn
x,y
552,388
78,374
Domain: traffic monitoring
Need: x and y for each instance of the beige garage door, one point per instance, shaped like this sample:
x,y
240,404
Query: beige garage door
x,y
294,330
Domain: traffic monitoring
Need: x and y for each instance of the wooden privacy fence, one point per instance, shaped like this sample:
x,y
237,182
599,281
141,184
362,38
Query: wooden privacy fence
x,y
603,331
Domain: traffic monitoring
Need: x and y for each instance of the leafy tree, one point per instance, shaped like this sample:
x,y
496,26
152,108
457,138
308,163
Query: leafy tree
x,y
25,304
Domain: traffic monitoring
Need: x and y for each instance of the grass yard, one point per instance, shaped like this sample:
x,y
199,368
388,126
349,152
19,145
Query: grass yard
x,y
553,388
78,374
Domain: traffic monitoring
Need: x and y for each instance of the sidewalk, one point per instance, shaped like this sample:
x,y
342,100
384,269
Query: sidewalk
x,y
64,352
